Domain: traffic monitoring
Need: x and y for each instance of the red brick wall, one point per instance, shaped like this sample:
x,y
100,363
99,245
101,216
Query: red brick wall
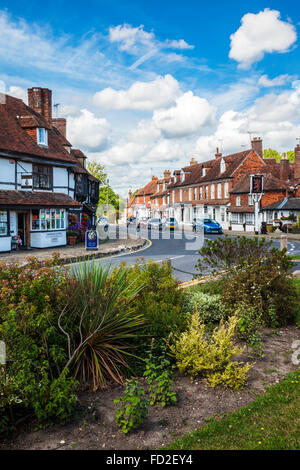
x,y
251,165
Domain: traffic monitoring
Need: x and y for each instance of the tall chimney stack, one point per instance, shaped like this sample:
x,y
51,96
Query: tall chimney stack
x,y
284,167
167,175
218,154
40,99
297,163
257,146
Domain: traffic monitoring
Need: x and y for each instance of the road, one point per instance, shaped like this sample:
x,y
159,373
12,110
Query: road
x,y
181,248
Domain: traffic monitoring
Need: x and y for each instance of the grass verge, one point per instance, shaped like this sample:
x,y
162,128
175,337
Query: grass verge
x,y
271,422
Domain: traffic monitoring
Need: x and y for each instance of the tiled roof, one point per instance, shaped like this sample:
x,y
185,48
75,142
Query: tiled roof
x,y
11,198
213,169
149,189
292,203
79,168
241,209
271,183
14,137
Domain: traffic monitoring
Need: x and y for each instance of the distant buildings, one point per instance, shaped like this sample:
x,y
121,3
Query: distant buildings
x,y
219,189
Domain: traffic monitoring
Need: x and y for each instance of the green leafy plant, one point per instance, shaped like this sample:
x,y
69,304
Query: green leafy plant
x,y
209,307
159,377
100,304
210,356
133,407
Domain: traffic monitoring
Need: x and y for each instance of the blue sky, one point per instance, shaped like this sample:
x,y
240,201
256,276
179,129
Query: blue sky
x,y
147,85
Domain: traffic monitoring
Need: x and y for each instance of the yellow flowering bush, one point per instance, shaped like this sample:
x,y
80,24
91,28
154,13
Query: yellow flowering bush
x,y
210,356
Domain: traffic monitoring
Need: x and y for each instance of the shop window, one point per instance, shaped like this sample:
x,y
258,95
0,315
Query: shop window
x,y
3,223
48,219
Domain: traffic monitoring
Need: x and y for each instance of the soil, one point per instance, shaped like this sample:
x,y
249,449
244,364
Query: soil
x,y
95,428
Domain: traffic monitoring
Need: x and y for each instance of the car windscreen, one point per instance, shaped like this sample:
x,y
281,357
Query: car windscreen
x,y
155,220
208,221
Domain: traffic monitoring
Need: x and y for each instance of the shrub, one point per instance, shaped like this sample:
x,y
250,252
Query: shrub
x,y
210,356
249,324
209,307
159,377
30,300
160,301
133,408
100,305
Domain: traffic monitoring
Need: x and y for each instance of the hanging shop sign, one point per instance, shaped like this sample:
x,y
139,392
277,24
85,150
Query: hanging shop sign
x,y
91,240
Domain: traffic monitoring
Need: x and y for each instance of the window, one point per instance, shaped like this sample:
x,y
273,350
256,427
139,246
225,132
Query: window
x,y
219,191
222,166
48,219
212,191
3,224
206,192
164,200
203,171
200,193
182,176
250,200
195,194
226,190
173,196
234,218
238,201
190,194
42,177
42,136
180,195
205,210
156,201
222,214
137,199
249,218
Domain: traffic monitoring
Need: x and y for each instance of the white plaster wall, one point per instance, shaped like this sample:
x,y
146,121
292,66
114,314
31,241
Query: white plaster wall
x,y
5,244
7,174
22,168
48,239
60,178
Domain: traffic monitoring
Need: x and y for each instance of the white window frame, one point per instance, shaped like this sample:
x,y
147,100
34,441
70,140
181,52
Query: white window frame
x,y
212,191
219,191
190,194
250,200
226,192
238,201
42,136
222,166
180,195
203,171
200,193
47,222
249,218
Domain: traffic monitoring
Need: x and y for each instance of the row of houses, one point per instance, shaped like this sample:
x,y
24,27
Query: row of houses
x,y
219,188
42,178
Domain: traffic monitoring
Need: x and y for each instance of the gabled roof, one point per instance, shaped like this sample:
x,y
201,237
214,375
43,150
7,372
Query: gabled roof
x,y
149,189
79,168
15,118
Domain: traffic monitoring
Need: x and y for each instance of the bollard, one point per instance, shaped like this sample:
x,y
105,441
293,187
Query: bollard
x,y
283,242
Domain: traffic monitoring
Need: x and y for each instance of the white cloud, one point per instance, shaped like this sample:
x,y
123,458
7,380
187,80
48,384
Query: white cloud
x,y
130,38
189,116
87,131
260,33
281,80
178,44
18,92
158,93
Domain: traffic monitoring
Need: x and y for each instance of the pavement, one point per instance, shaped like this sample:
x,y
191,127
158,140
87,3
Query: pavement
x,y
70,254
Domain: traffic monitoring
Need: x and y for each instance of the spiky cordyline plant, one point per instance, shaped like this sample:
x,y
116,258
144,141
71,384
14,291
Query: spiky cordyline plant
x,y
100,307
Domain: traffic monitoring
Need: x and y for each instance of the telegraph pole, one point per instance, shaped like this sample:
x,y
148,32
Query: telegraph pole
x,y
107,196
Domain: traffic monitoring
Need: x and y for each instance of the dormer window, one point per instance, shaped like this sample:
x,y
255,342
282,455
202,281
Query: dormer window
x,y
203,171
182,176
42,136
222,166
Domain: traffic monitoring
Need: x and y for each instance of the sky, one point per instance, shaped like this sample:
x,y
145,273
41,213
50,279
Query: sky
x,y
146,86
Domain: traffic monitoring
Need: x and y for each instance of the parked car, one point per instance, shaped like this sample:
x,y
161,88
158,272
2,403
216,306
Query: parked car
x,y
144,222
170,224
102,223
209,226
155,223
133,221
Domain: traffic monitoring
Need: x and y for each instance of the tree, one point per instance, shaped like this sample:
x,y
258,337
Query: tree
x,y
270,153
97,170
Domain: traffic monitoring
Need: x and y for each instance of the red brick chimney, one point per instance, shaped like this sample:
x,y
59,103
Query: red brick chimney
x,y
167,175
218,154
257,146
297,163
154,178
284,167
61,125
40,99
193,161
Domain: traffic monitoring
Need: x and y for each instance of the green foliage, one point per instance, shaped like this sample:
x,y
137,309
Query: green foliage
x,y
100,304
209,307
97,170
210,356
255,273
160,301
249,326
30,299
133,407
159,377
270,153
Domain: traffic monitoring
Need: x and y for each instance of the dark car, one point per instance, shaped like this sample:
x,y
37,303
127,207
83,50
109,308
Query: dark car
x,y
209,226
170,224
133,221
